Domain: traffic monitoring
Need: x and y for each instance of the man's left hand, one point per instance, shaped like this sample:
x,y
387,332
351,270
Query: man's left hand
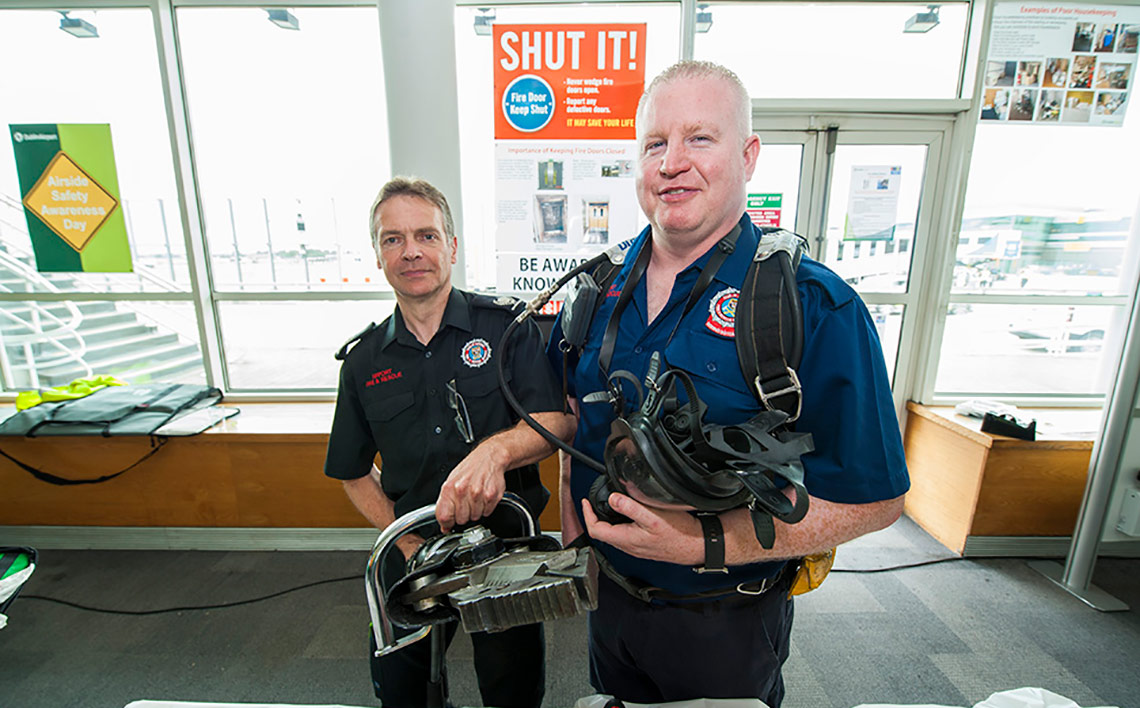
x,y
472,490
669,535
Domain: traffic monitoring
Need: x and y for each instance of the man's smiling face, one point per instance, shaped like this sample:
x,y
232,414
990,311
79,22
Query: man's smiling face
x,y
693,163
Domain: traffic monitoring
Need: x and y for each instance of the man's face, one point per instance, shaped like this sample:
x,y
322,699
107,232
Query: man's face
x,y
412,247
693,162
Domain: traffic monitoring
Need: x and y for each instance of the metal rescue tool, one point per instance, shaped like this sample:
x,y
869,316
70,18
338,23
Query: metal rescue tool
x,y
486,582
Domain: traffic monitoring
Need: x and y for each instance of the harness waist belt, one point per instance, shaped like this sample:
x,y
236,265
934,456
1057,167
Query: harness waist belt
x,y
649,593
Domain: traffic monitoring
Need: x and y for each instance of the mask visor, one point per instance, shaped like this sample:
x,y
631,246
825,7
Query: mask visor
x,y
627,464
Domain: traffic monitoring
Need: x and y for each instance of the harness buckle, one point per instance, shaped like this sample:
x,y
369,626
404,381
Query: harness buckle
x,y
702,570
759,588
766,398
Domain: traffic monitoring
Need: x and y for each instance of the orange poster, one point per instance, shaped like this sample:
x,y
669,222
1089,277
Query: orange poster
x,y
576,81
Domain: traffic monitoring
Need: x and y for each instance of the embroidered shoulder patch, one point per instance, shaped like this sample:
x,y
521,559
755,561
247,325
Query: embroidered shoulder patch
x,y
475,353
722,312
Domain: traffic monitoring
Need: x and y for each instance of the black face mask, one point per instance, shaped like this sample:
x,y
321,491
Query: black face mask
x,y
662,455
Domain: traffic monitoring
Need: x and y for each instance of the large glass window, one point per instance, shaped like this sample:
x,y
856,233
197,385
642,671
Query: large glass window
x,y
873,202
1028,349
120,327
299,355
290,136
123,90
774,190
1048,210
836,50
1045,260
290,143
52,343
888,321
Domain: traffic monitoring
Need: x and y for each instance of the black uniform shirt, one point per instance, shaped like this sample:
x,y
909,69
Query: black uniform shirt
x,y
393,399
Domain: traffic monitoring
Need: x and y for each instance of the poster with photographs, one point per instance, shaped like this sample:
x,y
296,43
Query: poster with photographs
x,y
1061,64
557,204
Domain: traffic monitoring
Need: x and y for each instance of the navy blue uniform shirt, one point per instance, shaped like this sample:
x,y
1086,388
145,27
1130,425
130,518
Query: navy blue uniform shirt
x,y
392,399
847,403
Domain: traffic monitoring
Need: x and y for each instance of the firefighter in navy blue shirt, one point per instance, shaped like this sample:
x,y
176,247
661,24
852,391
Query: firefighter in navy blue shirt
x,y
718,634
421,389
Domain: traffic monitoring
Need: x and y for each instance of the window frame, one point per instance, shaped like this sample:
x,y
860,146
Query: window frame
x,y
205,300
940,296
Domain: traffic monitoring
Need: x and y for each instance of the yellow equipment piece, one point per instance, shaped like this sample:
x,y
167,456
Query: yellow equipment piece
x,y
76,389
813,569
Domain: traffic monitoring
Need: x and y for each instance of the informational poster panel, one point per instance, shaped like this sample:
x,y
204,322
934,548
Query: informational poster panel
x,y
1057,64
566,100
70,190
873,203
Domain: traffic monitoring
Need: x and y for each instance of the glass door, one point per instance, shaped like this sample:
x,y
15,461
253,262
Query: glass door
x,y
783,175
865,198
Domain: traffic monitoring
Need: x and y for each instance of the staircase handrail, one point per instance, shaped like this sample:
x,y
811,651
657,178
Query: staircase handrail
x,y
36,278
44,328
38,333
162,283
53,340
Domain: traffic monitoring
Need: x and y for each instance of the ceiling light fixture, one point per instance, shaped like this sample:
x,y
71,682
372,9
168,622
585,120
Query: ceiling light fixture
x,y
704,18
77,27
923,21
484,20
283,19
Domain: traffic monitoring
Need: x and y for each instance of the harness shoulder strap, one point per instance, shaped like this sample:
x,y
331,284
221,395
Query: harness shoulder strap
x,y
770,344
583,301
768,303
607,271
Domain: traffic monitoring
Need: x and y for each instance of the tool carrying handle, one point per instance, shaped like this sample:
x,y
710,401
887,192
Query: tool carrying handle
x,y
386,639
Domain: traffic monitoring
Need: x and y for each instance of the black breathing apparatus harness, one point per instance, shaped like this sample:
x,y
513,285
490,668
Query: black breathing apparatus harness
x,y
659,450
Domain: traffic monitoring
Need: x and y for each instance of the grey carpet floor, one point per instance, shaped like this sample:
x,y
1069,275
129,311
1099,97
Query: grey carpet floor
x,y
950,633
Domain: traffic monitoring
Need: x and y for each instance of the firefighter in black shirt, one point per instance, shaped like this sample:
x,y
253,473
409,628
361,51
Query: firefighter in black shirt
x,y
421,390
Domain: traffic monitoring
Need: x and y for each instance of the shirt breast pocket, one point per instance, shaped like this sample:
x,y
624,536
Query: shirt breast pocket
x,y
384,413
486,405
712,364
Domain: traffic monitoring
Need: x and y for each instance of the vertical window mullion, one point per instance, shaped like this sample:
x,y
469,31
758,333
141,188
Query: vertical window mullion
x,y
166,38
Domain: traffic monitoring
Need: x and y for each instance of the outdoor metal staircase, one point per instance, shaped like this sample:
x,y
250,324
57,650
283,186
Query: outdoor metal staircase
x,y
51,343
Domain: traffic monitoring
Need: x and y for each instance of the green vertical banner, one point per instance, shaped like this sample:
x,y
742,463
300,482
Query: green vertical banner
x,y
70,191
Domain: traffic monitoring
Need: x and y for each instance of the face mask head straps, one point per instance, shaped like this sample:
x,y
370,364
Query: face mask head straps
x,y
651,455
662,454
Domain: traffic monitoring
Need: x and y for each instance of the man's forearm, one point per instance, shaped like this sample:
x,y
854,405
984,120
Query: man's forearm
x,y
522,445
568,514
373,504
826,525
476,484
370,500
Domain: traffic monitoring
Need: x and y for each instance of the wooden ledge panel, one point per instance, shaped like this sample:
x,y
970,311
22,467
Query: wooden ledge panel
x,y
263,468
195,481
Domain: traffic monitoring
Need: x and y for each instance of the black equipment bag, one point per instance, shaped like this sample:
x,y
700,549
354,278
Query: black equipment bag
x,y
116,410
